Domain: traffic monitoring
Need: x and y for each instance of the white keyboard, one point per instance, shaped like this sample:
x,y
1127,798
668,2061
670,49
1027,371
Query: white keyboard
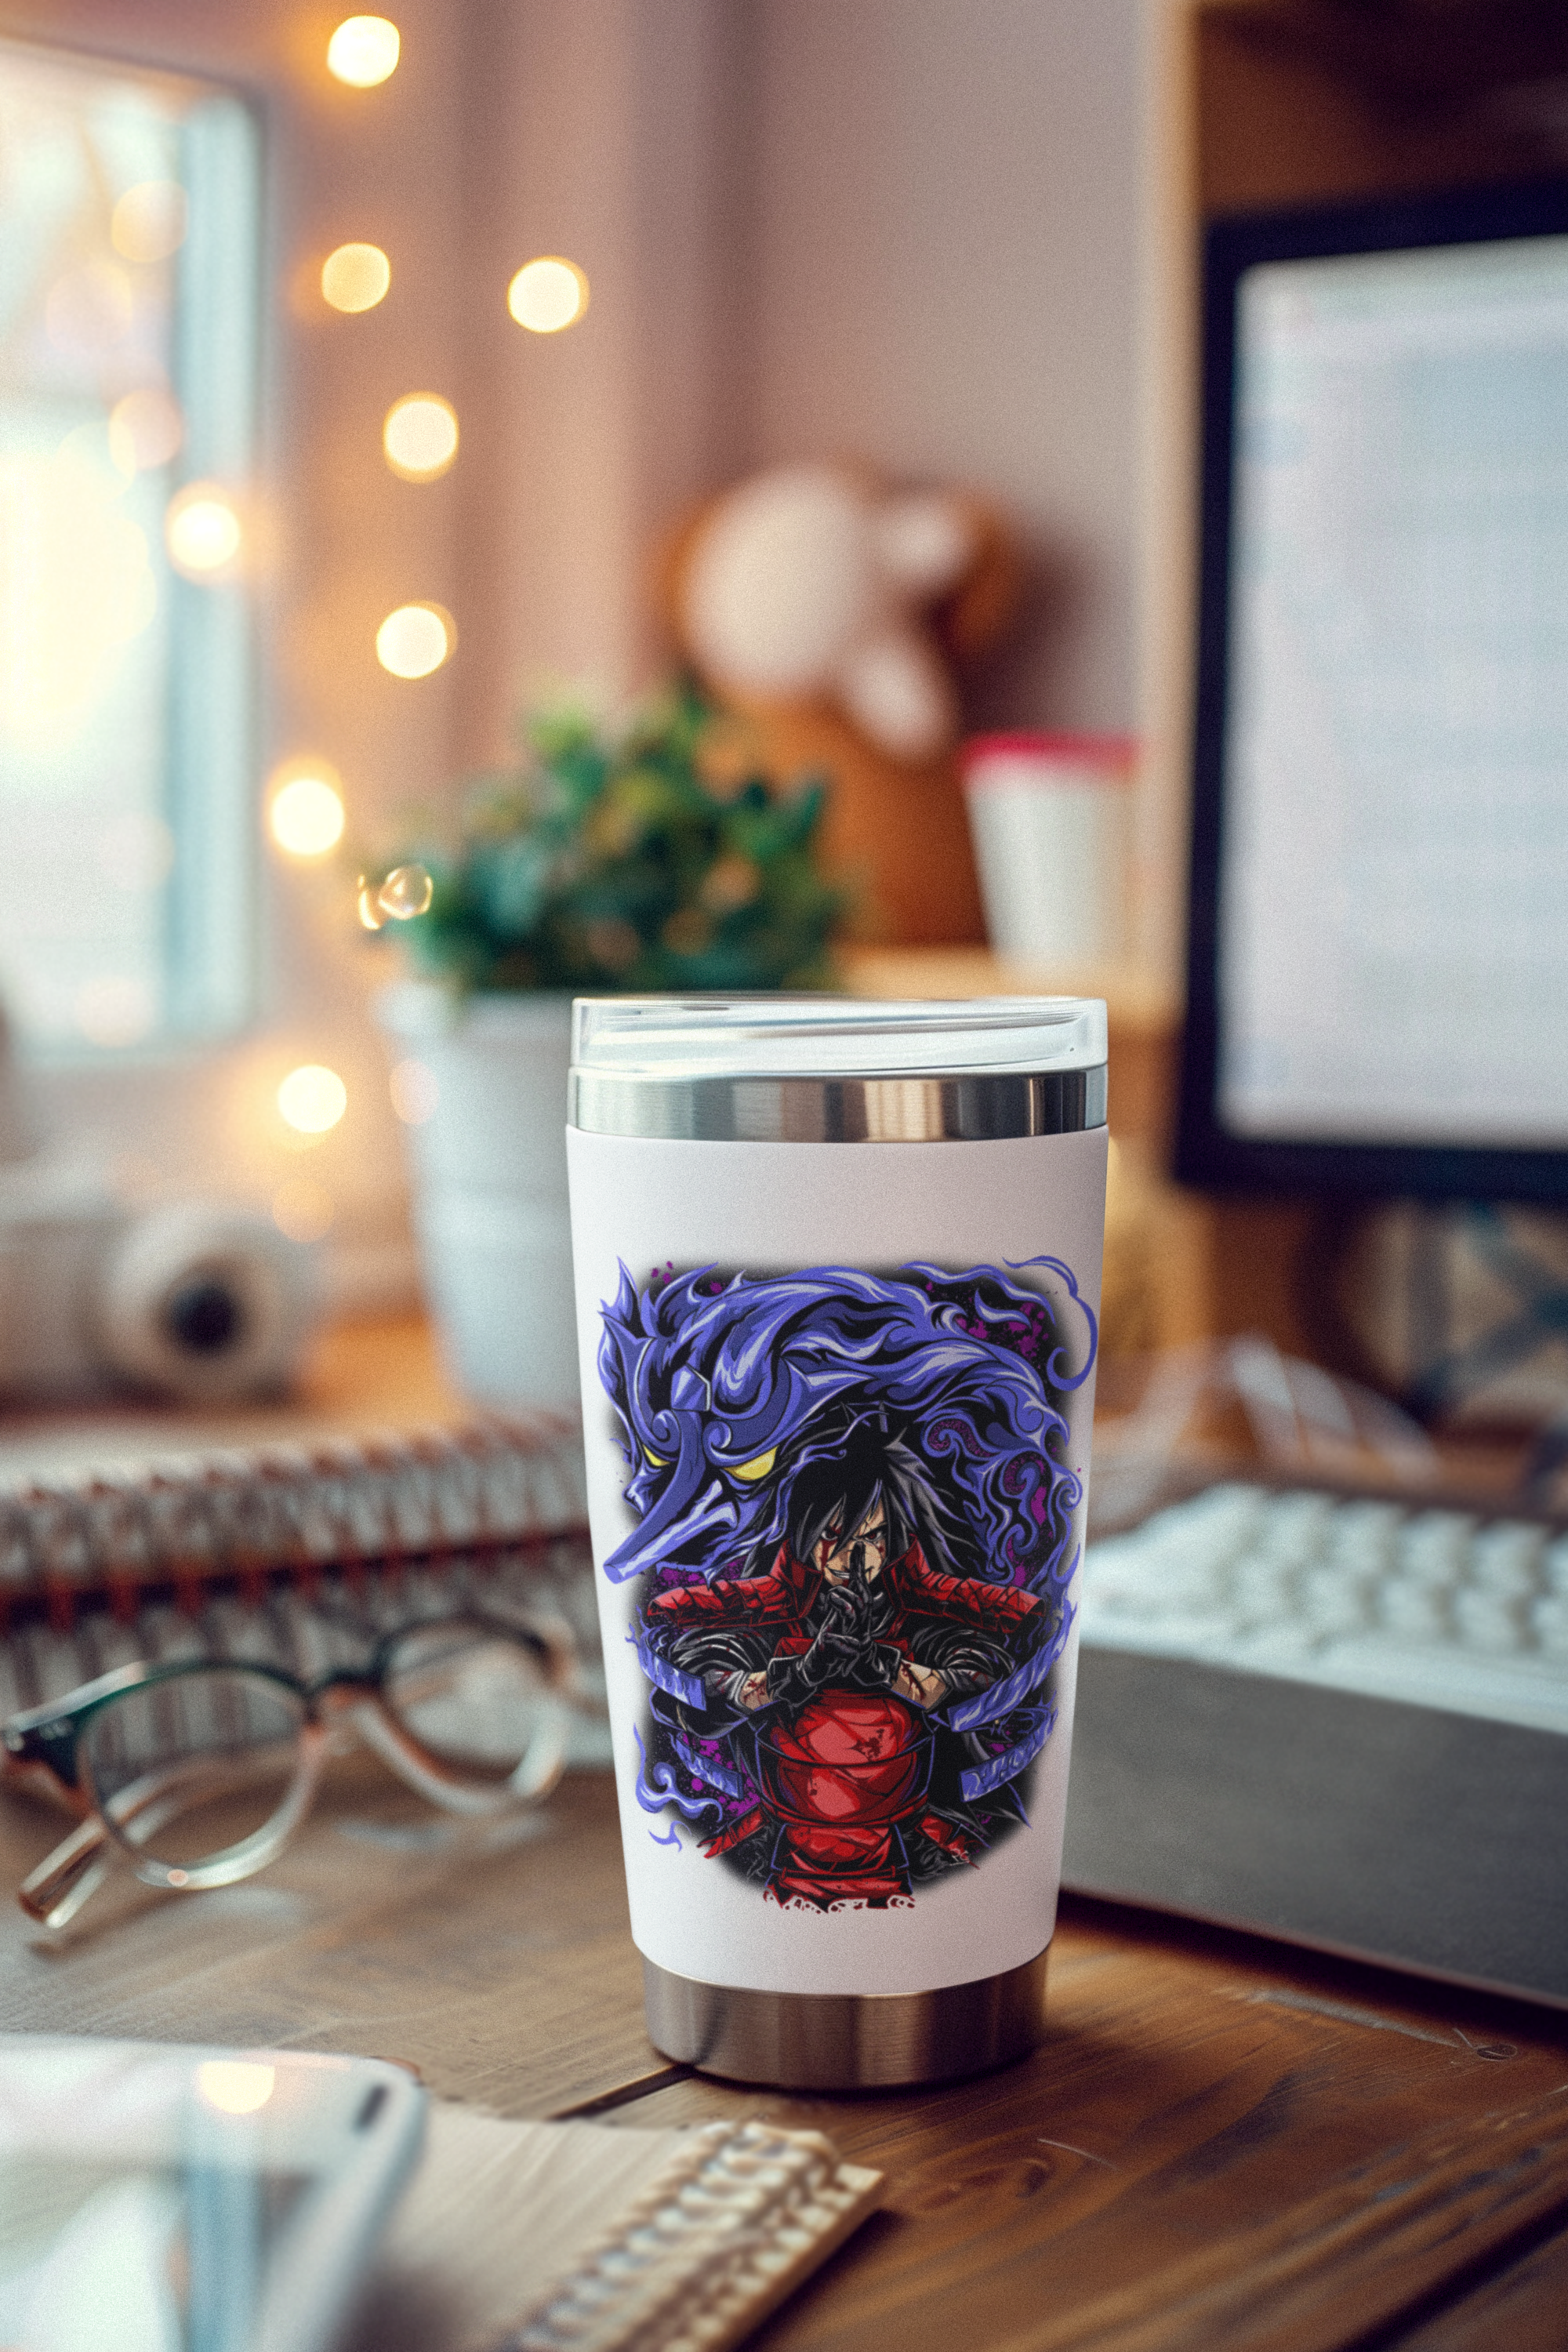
x,y
1434,1606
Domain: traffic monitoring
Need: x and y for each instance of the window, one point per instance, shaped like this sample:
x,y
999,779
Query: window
x,y
128,303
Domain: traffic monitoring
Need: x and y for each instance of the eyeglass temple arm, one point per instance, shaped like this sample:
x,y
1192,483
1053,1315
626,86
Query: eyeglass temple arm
x,y
56,1891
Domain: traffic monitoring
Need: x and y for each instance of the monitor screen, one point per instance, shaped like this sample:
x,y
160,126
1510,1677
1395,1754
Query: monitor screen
x,y
1379,928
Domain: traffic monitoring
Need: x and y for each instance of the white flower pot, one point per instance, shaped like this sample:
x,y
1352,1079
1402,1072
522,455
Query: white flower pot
x,y
488,1163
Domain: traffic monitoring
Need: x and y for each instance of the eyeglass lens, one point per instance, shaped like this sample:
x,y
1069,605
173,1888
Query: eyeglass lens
x,y
189,1767
469,1695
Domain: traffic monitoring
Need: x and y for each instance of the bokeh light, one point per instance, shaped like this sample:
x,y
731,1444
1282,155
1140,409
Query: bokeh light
x,y
415,640
202,531
420,436
235,2086
415,1091
355,277
303,1210
364,51
547,295
407,892
312,1098
145,430
149,222
305,814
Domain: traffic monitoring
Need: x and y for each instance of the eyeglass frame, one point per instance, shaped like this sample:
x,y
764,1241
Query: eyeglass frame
x,y
41,1747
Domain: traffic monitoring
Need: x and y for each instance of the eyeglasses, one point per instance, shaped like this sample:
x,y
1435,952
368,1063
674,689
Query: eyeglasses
x,y
198,1772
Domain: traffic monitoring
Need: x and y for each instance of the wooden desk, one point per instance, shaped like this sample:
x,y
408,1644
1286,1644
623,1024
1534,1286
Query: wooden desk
x,y
1222,2142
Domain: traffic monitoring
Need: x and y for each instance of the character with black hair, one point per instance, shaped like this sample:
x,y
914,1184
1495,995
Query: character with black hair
x,y
840,1650
853,1539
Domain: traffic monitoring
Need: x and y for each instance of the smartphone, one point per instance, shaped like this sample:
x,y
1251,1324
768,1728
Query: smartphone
x,y
156,2198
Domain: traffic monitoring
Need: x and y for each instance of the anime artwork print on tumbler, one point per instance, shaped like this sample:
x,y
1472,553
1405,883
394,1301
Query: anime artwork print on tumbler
x,y
853,1546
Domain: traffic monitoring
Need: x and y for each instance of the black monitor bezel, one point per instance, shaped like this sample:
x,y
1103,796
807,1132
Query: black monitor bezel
x,y
1208,1154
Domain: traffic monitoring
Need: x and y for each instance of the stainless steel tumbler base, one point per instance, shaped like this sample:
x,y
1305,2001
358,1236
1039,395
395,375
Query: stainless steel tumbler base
x,y
847,2042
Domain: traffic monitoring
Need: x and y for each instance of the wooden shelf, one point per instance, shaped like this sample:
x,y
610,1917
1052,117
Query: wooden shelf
x,y
1445,57
1303,101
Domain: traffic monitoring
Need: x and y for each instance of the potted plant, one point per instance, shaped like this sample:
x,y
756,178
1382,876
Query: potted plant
x,y
633,860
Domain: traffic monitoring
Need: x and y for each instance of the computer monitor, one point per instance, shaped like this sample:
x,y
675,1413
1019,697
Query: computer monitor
x,y
1378,930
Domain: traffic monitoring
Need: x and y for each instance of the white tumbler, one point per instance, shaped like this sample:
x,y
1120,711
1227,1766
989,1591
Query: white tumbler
x,y
837,1269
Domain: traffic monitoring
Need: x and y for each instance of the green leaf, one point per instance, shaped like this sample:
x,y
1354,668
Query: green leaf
x,y
585,866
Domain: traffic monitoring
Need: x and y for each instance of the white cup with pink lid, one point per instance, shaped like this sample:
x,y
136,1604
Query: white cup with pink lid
x,y
1051,819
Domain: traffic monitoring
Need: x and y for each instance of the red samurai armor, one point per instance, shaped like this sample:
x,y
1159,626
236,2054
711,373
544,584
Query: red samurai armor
x,y
845,1766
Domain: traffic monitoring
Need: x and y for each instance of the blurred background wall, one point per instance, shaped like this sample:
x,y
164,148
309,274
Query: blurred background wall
x,y
900,230
906,231
945,269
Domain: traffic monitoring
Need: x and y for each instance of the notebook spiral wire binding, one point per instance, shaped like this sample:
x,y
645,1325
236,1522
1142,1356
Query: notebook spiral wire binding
x,y
705,2251
296,1555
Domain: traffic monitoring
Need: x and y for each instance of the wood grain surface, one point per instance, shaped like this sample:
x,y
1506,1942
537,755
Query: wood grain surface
x,y
1522,2307
504,1972
1221,2142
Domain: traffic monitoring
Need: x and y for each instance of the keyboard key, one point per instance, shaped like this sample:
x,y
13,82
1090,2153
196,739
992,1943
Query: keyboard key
x,y
1436,1607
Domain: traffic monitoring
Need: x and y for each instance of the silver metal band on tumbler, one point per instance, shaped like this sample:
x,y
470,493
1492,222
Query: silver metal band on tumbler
x,y
847,2042
984,1107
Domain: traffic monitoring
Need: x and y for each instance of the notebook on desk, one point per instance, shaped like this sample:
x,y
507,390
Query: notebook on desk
x,y
114,1552
537,2237
1340,1720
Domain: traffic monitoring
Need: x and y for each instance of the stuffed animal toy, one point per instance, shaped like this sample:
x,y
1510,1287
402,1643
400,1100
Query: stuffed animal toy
x,y
826,609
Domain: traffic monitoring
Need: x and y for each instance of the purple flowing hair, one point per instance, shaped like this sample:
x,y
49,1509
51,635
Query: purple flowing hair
x,y
727,1385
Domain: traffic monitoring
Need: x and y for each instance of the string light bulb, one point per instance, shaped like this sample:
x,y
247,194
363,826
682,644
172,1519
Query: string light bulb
x,y
364,51
305,815
355,278
419,438
415,639
202,531
547,295
312,1098
407,892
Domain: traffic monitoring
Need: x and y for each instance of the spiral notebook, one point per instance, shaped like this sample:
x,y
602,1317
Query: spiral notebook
x,y
294,1554
513,2237
541,2237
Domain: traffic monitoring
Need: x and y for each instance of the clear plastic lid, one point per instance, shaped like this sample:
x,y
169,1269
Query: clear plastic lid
x,y
675,1037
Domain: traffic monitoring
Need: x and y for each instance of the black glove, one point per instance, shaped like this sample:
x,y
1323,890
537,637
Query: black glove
x,y
843,1651
834,1657
878,1662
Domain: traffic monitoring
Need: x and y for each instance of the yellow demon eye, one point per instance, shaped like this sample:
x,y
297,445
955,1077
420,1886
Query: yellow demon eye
x,y
655,1461
759,1467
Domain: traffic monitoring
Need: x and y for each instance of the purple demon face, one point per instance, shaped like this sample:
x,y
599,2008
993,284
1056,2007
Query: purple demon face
x,y
726,1387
